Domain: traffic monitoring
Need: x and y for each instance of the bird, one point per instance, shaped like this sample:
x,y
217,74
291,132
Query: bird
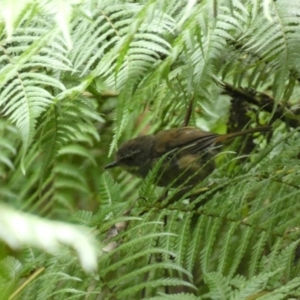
x,y
184,155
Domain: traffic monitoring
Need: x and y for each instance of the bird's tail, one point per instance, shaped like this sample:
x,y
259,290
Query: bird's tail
x,y
224,137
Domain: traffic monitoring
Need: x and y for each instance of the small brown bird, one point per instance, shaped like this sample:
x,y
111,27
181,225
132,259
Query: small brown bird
x,y
186,154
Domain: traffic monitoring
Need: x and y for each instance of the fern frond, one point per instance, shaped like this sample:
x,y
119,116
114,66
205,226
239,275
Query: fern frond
x,y
154,284
9,275
212,228
255,285
194,245
282,291
218,285
178,296
276,38
256,254
226,247
24,91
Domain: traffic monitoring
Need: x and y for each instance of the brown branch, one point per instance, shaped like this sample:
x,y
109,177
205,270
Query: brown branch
x,y
265,102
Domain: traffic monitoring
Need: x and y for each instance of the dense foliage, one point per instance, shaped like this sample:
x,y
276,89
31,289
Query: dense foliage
x,y
77,78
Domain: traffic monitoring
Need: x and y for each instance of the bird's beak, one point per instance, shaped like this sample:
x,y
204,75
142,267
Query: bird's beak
x,y
112,165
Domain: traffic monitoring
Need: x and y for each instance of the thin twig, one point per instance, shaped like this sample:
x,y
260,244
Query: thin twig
x,y
29,280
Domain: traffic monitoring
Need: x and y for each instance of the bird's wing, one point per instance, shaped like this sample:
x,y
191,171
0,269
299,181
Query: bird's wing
x,y
183,138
